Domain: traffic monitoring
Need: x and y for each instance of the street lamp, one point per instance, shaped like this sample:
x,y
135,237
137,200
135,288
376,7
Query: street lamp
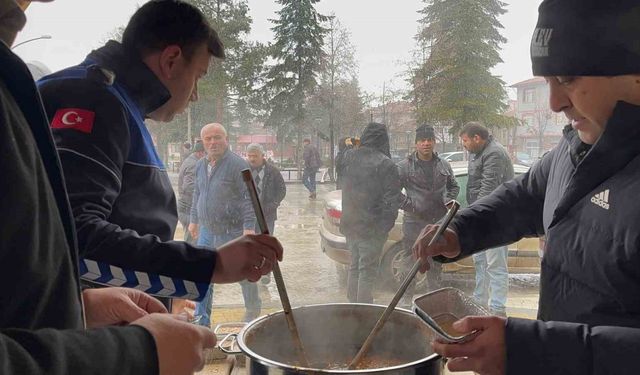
x,y
31,40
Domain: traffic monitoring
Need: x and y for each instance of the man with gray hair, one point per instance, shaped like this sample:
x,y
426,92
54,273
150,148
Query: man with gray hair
x,y
269,182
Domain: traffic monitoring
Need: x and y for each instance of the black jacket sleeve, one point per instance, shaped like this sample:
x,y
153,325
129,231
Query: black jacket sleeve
x,y
188,182
403,172
535,347
391,196
280,190
492,168
123,350
93,164
453,189
512,211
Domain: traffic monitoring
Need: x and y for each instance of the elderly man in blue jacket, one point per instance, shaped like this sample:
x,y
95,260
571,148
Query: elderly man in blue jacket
x,y
582,196
221,210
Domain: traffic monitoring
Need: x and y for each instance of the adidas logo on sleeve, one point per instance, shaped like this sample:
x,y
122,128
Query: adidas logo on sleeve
x,y
601,199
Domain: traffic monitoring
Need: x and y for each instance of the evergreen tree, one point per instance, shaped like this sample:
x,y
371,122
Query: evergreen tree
x,y
459,42
229,92
298,57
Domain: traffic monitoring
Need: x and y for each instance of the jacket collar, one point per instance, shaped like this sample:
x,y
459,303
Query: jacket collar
x,y
616,147
140,82
414,156
223,158
489,141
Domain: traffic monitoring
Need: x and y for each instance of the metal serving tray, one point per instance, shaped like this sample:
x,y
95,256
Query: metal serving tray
x,y
440,308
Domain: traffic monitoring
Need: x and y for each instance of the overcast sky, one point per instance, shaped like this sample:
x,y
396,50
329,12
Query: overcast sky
x,y
382,33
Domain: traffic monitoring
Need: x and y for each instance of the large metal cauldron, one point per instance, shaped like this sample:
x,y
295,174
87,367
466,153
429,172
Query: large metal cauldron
x,y
331,335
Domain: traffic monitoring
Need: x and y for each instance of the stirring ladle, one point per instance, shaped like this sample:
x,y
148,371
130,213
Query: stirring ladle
x,y
403,288
282,290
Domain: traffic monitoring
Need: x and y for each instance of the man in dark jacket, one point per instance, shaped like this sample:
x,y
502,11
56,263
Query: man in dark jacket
x,y
121,196
582,195
42,325
269,182
489,167
312,163
222,210
271,189
345,144
186,184
370,202
429,183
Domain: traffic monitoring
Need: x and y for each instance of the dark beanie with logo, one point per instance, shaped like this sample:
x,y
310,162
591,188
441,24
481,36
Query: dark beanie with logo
x,y
425,132
586,38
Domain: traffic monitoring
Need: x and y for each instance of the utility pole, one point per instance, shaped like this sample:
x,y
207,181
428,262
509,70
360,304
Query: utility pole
x,y
384,104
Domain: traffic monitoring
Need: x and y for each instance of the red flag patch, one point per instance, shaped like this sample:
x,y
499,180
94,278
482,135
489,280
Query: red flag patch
x,y
74,118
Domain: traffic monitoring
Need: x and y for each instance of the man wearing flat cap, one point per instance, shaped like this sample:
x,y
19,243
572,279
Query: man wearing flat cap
x,y
429,183
582,195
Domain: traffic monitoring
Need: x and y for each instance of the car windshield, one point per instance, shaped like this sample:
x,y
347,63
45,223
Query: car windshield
x,y
299,86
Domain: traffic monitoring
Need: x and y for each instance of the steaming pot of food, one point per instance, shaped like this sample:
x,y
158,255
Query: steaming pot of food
x,y
331,335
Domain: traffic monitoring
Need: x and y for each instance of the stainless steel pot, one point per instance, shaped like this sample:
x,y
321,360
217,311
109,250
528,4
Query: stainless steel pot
x,y
331,335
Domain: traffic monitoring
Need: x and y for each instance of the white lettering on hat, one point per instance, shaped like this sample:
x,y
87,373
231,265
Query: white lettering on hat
x,y
540,42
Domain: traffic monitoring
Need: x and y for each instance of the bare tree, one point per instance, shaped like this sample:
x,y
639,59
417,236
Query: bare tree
x,y
542,116
340,66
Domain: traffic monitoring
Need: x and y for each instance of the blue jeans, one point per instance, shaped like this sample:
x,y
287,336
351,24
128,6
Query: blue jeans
x,y
363,271
309,179
252,302
492,278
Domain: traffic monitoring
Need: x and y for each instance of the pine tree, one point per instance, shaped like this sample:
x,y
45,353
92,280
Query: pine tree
x,y
229,91
459,43
298,57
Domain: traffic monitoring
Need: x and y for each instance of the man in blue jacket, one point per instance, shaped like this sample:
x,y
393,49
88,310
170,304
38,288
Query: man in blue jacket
x,y
121,197
221,210
582,196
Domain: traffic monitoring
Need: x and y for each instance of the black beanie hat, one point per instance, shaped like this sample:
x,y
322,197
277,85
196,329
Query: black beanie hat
x,y
586,38
425,132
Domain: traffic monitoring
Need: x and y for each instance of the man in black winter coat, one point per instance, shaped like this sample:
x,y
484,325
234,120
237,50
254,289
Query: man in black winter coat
x,y
269,182
582,195
370,201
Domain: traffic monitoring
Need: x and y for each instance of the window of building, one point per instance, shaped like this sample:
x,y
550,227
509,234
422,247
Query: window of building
x,y
529,95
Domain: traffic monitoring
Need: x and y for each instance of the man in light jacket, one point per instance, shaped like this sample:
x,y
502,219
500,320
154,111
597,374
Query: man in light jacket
x,y
489,167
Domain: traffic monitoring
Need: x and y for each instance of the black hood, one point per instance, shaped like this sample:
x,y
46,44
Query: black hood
x,y
375,136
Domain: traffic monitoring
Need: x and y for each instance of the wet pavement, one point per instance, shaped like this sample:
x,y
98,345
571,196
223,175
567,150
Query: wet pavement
x,y
310,276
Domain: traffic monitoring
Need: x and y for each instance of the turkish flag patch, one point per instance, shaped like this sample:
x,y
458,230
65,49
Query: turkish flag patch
x,y
74,118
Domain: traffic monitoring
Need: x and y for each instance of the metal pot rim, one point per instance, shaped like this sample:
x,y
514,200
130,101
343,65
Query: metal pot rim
x,y
271,363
